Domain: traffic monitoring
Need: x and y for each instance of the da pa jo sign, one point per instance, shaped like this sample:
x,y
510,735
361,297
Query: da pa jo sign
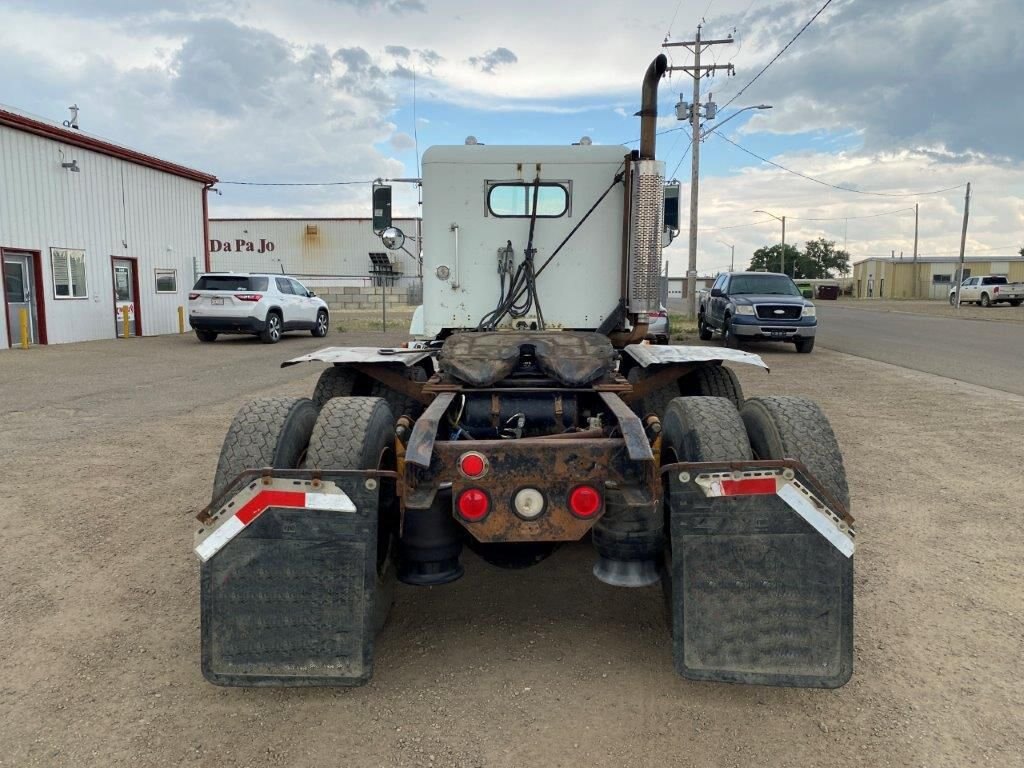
x,y
240,244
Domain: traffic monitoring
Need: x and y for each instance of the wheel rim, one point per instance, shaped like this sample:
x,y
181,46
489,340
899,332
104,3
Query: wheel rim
x,y
321,324
275,327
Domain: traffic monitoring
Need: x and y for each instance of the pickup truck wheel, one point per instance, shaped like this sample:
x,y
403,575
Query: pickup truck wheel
x,y
1015,302
713,381
952,299
336,381
728,337
266,432
804,346
206,336
796,428
985,300
272,331
703,330
359,433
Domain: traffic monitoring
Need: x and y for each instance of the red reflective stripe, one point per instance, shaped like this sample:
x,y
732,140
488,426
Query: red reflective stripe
x,y
754,486
261,501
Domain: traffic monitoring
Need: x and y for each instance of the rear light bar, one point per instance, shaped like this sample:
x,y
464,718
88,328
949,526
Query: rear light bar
x,y
473,505
584,501
248,296
473,465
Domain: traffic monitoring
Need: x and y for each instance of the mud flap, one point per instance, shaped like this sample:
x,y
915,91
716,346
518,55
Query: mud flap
x,y
288,584
762,580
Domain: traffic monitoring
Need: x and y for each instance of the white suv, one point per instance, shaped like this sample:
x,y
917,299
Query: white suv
x,y
263,305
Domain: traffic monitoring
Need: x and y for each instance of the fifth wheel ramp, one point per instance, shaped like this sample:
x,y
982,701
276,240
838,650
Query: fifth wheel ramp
x,y
761,575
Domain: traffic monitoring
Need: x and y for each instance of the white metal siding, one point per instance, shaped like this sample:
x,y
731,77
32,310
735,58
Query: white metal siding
x,y
110,208
340,247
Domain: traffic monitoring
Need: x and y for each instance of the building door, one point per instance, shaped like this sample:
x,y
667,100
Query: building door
x,y
125,282
20,295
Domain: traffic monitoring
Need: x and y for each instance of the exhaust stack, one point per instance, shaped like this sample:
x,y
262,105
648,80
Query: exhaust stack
x,y
647,207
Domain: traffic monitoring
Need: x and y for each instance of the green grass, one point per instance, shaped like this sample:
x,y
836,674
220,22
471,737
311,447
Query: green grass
x,y
682,328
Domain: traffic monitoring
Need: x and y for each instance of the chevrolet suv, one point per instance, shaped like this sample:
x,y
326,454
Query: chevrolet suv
x,y
261,305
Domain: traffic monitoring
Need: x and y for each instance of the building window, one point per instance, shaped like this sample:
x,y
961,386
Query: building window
x,y
68,266
166,281
941,278
515,199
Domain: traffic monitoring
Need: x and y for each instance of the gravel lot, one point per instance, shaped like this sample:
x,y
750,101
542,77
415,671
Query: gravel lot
x,y
108,450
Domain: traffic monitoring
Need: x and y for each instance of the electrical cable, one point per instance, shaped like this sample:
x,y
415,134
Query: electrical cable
x,y
825,183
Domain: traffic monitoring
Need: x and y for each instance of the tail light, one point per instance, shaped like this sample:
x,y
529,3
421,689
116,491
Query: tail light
x,y
528,503
661,313
193,296
996,289
584,501
473,464
473,505
248,296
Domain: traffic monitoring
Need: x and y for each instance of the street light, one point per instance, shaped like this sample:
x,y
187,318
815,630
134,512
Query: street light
x,y
782,255
697,136
732,259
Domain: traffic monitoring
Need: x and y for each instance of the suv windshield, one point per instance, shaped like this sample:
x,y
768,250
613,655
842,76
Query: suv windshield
x,y
761,285
230,283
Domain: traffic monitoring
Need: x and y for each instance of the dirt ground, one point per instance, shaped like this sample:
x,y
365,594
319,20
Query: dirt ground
x,y
108,450
998,312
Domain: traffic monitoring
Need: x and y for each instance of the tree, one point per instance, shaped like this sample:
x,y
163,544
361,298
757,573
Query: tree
x,y
1022,251
819,259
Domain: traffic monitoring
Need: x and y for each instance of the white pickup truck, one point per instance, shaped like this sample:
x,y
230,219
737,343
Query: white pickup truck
x,y
987,290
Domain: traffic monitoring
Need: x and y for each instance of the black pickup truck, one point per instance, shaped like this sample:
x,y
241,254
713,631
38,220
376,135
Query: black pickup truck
x,y
757,306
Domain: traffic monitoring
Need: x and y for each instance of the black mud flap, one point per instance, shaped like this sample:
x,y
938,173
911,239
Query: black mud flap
x,y
288,584
762,584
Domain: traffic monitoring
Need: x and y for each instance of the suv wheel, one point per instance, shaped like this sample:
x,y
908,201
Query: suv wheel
x,y
272,332
322,324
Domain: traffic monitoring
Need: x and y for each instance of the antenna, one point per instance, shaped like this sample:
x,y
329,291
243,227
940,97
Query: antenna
x,y
73,122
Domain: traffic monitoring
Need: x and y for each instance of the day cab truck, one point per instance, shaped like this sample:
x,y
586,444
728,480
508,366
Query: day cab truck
x,y
526,414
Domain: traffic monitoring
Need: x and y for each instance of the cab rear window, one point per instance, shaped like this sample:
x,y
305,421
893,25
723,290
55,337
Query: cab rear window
x,y
515,199
230,283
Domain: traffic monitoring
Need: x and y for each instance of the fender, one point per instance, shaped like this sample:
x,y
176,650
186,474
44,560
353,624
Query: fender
x,y
657,354
355,355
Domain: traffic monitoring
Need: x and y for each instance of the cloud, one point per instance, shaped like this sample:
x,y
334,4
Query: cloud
x,y
490,61
395,6
401,142
398,51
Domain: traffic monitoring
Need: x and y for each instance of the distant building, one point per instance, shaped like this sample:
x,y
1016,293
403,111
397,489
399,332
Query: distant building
x,y
89,228
930,277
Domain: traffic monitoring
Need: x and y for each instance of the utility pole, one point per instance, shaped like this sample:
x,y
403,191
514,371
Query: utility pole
x,y
732,257
963,243
916,268
697,71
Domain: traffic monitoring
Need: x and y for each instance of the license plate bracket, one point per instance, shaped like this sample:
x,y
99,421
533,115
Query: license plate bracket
x,y
216,301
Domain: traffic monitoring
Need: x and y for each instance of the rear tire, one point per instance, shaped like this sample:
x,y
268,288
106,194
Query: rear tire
x,y
796,428
400,404
322,324
713,381
206,336
336,381
804,346
266,432
272,331
985,300
359,433
1015,302
703,429
655,402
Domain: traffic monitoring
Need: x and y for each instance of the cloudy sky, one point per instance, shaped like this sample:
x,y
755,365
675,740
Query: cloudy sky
x,y
882,96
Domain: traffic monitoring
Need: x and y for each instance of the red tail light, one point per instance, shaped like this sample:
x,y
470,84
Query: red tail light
x,y
248,296
193,296
996,289
473,464
584,501
657,314
474,505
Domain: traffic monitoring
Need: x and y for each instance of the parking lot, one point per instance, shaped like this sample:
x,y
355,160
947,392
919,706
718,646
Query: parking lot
x,y
108,450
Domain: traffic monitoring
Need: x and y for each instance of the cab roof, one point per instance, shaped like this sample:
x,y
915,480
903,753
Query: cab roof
x,y
553,154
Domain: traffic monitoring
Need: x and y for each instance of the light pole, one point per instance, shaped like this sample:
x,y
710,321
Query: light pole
x,y
782,255
732,258
697,136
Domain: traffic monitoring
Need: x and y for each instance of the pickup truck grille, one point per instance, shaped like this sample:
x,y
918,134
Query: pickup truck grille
x,y
770,311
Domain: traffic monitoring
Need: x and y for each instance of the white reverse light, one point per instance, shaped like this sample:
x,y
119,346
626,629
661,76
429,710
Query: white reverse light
x,y
529,503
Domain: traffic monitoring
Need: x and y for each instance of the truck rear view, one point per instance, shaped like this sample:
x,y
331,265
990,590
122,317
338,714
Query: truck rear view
x,y
529,414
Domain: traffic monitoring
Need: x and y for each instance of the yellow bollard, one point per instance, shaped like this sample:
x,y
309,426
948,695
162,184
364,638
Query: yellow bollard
x,y
124,314
24,329
181,319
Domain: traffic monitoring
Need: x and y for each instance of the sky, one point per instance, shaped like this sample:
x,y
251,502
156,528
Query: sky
x,y
892,98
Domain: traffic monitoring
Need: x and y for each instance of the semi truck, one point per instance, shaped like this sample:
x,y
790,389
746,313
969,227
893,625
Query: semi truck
x,y
527,413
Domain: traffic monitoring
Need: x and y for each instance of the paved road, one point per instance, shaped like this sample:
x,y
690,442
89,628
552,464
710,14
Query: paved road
x,y
986,353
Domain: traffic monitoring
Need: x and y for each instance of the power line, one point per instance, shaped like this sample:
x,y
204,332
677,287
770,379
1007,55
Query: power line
x,y
779,54
832,186
852,218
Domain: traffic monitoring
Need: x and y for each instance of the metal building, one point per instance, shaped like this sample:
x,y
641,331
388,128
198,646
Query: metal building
x,y
88,227
344,251
930,277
